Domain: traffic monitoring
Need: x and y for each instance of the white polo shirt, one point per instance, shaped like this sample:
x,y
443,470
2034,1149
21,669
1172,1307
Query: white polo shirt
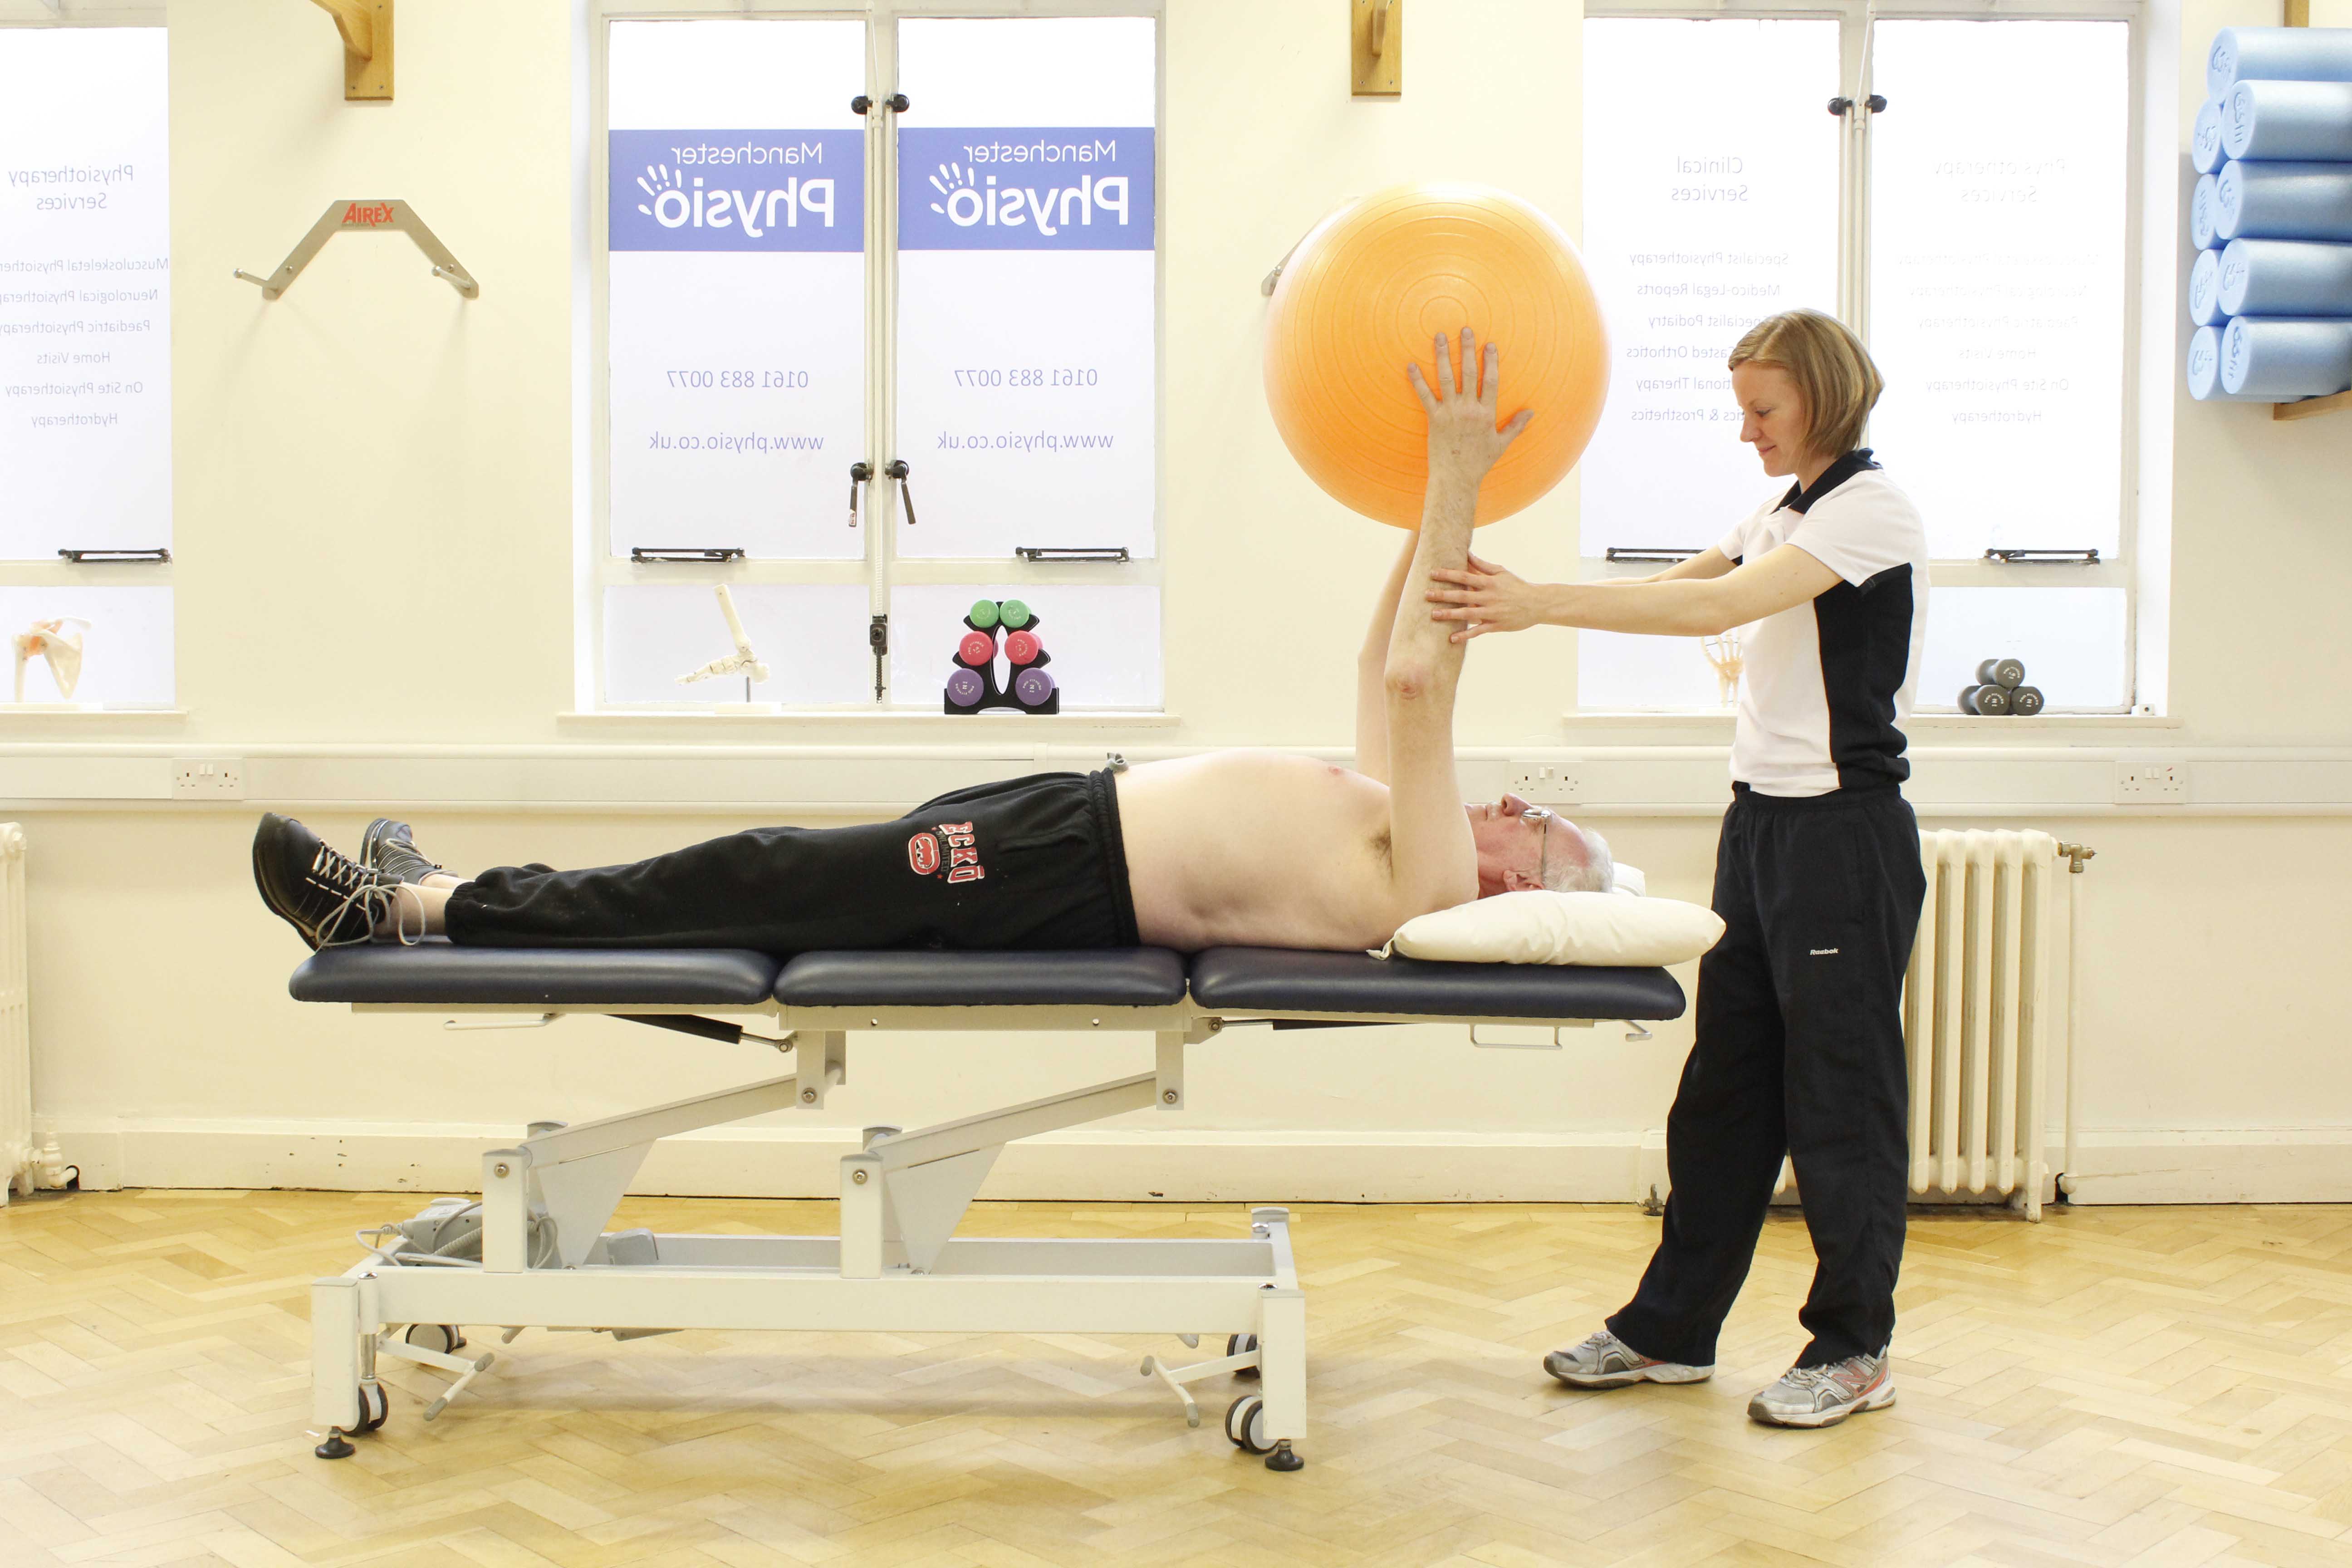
x,y
1828,684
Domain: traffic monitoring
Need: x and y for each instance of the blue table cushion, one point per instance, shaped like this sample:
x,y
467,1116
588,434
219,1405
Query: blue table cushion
x,y
435,971
1104,977
1277,980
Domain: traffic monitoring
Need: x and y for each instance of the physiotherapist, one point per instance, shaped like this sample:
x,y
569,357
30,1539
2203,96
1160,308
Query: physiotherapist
x,y
1817,876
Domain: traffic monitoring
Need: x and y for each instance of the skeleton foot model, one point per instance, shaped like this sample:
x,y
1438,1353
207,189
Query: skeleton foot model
x,y
742,661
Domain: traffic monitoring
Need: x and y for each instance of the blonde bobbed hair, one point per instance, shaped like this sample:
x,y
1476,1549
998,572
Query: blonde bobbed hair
x,y
1833,371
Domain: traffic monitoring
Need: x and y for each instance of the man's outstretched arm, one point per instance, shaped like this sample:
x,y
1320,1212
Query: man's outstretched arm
x,y
1436,865
1373,667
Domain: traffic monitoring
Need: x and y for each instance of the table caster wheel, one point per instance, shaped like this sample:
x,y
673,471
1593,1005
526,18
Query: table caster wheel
x,y
443,1338
1245,1425
1242,1345
376,1406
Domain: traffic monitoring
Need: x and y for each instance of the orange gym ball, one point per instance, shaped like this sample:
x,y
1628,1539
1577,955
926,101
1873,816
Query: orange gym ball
x,y
1364,295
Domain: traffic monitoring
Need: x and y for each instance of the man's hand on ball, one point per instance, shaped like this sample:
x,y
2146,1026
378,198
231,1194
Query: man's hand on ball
x,y
1462,439
1486,597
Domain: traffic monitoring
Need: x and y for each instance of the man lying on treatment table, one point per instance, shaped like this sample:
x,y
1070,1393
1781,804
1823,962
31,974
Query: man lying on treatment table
x,y
1230,848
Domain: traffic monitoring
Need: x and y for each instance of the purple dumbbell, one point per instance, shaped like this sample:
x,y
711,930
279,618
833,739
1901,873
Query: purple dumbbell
x,y
1031,686
965,688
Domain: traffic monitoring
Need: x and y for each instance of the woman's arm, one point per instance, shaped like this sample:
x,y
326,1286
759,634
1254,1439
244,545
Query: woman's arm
x,y
1699,597
1371,671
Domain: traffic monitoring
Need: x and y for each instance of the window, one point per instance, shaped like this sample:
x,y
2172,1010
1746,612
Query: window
x,y
85,364
866,368
1975,230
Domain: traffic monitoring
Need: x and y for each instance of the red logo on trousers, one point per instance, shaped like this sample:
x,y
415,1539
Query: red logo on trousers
x,y
923,854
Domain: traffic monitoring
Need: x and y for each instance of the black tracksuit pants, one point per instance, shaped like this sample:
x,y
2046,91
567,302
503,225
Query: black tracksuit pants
x,y
1800,1050
1022,865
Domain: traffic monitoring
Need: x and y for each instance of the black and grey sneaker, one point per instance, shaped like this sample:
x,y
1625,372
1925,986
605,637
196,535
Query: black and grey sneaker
x,y
387,847
331,898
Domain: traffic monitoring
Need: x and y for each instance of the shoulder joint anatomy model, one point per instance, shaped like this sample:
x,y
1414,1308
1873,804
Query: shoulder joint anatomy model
x,y
50,640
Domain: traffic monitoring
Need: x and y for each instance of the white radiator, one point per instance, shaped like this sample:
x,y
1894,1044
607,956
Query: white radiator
x,y
16,1150
1986,1004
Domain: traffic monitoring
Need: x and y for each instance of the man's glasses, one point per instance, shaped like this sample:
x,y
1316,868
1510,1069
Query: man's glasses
x,y
1538,814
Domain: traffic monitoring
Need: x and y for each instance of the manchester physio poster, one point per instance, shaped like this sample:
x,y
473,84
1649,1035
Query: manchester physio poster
x,y
736,219
85,292
1027,282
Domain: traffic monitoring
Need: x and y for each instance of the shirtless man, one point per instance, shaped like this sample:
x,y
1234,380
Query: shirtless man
x,y
1229,849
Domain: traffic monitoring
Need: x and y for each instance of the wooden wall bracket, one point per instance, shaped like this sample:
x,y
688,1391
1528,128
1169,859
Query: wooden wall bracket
x,y
1376,47
372,217
366,29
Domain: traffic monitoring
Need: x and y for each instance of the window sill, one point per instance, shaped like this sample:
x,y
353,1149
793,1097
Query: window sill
x,y
775,714
84,713
1719,719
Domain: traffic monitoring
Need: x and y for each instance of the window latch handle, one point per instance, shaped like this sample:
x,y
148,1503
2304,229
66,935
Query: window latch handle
x,y
859,472
899,471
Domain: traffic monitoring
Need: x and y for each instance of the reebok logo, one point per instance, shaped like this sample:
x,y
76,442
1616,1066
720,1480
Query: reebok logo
x,y
1823,952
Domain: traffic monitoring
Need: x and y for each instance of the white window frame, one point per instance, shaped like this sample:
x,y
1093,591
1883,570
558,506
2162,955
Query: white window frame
x,y
1855,17
61,572
881,568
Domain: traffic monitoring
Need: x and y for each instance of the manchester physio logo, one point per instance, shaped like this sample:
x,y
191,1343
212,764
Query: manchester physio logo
x,y
1058,189
737,190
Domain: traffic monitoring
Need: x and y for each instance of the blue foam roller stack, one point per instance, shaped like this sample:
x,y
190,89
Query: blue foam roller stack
x,y
2282,201
2277,360
2277,54
2282,120
2205,213
2205,141
2205,290
2285,278
2205,370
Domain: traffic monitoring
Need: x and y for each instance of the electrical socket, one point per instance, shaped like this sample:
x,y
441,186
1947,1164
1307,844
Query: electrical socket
x,y
208,778
2151,783
1545,783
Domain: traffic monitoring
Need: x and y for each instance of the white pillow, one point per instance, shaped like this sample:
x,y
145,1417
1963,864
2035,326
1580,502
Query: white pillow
x,y
1562,928
1629,880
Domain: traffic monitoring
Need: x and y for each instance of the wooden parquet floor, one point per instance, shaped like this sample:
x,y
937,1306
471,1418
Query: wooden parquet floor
x,y
2147,1387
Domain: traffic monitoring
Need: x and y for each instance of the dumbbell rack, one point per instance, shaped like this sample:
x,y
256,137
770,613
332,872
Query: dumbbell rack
x,y
2001,691
974,678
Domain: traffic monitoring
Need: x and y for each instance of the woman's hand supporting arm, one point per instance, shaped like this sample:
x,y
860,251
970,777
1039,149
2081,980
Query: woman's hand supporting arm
x,y
1703,596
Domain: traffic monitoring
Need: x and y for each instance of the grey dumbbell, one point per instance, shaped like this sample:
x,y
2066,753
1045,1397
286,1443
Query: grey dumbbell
x,y
1991,701
2007,672
2025,701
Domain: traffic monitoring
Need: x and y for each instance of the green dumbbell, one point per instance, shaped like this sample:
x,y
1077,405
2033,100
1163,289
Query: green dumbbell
x,y
1016,615
985,614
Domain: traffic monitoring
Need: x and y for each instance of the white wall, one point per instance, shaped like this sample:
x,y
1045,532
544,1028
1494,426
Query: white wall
x,y
374,577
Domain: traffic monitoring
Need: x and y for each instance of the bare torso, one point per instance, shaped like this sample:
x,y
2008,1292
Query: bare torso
x,y
1260,849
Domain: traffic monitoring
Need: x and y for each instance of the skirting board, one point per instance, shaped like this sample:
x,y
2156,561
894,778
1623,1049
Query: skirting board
x,y
2124,1165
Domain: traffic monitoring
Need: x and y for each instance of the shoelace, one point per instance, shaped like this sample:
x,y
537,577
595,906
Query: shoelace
x,y
1820,1377
364,890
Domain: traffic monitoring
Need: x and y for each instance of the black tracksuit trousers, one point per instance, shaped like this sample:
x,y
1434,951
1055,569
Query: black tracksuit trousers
x,y
1798,1050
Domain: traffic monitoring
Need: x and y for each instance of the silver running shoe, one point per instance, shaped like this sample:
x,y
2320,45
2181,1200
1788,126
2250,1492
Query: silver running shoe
x,y
1825,1396
1605,1361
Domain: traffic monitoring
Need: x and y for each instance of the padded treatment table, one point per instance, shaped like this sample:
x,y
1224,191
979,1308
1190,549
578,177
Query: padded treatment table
x,y
543,1258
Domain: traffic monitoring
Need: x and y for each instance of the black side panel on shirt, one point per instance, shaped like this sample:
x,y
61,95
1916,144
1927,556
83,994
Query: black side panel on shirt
x,y
1865,637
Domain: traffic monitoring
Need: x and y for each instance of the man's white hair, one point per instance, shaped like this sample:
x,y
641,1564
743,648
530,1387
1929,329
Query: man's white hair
x,y
1596,873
